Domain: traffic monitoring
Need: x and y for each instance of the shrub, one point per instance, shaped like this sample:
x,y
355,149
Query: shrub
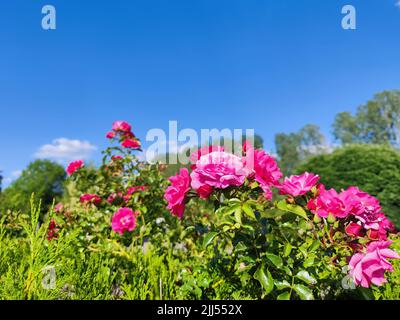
x,y
42,177
373,168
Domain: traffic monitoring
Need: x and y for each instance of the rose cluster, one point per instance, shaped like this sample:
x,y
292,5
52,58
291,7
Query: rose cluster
x,y
124,219
122,131
361,215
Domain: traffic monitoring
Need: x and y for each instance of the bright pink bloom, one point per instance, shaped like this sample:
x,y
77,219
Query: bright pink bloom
x,y
264,169
353,229
363,206
52,230
90,198
205,191
116,158
115,197
220,170
74,166
121,126
247,146
110,135
328,202
367,210
130,143
369,268
124,220
176,193
298,185
202,152
131,190
59,207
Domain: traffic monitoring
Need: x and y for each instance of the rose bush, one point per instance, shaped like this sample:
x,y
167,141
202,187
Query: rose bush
x,y
228,226
295,245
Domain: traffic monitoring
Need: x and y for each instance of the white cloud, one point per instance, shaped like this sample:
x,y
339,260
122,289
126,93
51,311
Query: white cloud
x,y
65,150
16,174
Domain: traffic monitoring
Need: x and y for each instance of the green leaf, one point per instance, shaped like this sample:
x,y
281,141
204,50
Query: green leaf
x,y
209,238
284,296
265,279
306,277
238,215
234,200
282,284
287,249
315,245
276,260
308,262
283,206
303,292
187,231
229,210
248,210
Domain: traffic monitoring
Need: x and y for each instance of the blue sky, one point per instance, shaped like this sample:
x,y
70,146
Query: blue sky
x,y
269,65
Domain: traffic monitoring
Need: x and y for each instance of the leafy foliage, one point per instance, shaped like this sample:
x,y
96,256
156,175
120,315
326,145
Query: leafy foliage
x,y
42,177
376,122
295,147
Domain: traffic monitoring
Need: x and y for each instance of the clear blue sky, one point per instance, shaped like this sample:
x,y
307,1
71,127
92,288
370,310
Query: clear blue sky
x,y
269,65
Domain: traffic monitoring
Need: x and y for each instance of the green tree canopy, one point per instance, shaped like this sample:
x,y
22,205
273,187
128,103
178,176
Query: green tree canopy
x,y
373,168
295,147
377,122
42,177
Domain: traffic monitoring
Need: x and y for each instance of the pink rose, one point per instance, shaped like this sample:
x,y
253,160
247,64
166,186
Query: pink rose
x,y
264,169
90,198
363,206
353,229
110,135
369,268
328,202
298,185
130,143
74,166
59,207
52,230
115,197
116,158
121,126
205,191
131,190
176,193
367,210
202,152
124,220
220,170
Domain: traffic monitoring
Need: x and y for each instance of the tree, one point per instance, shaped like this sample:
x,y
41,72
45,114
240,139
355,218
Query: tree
x,y
295,147
377,122
1,180
42,177
373,168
